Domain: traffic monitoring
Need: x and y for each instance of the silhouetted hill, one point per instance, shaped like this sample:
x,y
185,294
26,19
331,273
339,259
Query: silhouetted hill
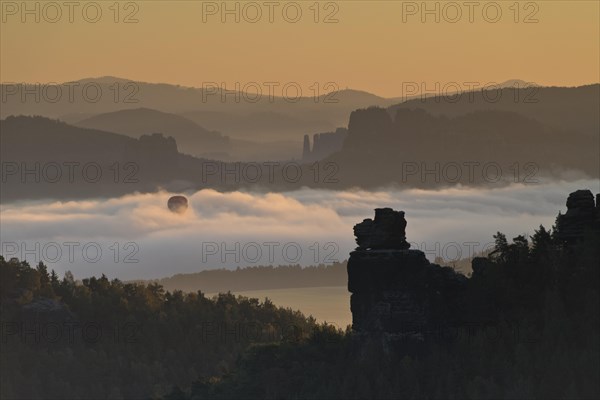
x,y
109,94
269,128
191,137
416,148
65,161
258,278
518,83
272,128
69,139
566,108
49,159
413,150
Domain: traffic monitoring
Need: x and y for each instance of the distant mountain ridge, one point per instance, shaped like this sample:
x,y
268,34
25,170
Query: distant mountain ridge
x,y
258,278
118,93
567,109
268,119
191,137
379,152
415,148
271,127
384,147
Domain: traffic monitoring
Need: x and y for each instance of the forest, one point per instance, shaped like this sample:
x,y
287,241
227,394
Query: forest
x,y
100,338
258,277
530,329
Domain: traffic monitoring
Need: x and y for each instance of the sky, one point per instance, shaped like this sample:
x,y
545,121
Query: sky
x,y
376,46
137,237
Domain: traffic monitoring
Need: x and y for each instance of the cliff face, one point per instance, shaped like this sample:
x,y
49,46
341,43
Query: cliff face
x,y
395,289
324,144
380,148
582,216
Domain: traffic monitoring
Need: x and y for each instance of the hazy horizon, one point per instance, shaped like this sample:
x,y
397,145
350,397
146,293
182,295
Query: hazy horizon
x,y
339,51
155,243
422,88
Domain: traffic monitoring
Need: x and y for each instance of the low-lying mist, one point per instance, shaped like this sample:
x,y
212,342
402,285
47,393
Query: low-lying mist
x,y
137,237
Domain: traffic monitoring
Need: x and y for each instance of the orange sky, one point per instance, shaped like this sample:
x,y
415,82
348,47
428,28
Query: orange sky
x,y
374,45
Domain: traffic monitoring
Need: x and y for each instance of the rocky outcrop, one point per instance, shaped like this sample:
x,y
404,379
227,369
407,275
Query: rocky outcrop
x,y
397,290
387,231
368,129
582,216
306,148
324,144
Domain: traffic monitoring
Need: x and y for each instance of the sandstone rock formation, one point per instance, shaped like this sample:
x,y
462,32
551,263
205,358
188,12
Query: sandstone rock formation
x,y
396,290
582,216
324,144
387,231
178,204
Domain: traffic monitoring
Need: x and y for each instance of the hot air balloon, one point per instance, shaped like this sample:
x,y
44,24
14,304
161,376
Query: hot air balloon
x,y
178,204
